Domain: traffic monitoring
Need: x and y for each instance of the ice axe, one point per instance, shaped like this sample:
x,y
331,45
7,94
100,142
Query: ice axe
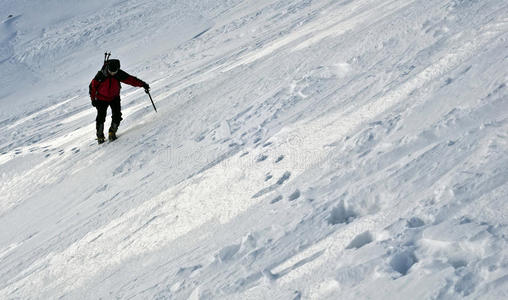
x,y
148,92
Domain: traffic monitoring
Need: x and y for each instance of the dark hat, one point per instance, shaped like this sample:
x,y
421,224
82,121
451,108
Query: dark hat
x,y
113,65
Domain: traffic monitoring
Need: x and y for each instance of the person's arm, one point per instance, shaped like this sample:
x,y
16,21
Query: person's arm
x,y
131,80
93,88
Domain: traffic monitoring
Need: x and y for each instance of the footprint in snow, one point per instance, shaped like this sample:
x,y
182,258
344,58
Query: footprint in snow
x,y
295,195
403,261
360,240
227,253
466,284
415,222
188,271
273,187
341,214
284,178
261,158
276,199
295,266
448,81
102,188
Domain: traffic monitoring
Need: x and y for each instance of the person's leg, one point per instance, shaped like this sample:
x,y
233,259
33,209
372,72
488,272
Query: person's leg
x,y
116,117
102,109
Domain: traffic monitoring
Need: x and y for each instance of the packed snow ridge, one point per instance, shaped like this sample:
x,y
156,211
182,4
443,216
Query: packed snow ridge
x,y
352,149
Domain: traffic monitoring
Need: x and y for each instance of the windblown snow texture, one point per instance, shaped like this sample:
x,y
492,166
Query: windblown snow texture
x,y
301,150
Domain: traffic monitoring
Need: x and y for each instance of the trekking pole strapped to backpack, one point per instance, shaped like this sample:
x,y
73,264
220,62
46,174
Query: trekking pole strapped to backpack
x,y
106,57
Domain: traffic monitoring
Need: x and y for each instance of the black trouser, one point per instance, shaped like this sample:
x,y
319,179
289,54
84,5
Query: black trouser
x,y
102,110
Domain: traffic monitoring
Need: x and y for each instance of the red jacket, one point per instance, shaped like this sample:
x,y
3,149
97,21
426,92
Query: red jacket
x,y
106,87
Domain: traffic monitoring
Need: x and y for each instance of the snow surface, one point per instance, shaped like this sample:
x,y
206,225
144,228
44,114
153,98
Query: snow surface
x,y
351,149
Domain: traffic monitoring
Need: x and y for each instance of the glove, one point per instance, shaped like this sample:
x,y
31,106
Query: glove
x,y
94,102
146,87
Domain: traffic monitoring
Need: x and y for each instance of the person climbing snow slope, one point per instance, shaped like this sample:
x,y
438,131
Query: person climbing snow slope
x,y
105,92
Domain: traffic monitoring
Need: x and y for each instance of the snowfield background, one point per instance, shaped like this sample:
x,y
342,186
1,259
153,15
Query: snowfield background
x,y
351,149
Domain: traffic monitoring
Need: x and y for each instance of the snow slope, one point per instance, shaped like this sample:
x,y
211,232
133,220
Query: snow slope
x,y
302,150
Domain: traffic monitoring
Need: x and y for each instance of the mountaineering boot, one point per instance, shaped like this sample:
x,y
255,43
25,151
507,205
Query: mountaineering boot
x,y
101,139
112,136
100,133
112,131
